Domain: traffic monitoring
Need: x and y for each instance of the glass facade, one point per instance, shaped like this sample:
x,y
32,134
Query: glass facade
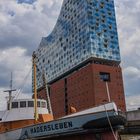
x,y
84,29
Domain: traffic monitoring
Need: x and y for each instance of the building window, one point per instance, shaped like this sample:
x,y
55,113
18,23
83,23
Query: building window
x,y
105,76
23,104
14,104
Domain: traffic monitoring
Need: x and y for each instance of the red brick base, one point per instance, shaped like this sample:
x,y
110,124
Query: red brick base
x,y
84,89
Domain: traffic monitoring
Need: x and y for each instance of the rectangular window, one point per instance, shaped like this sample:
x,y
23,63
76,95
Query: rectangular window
x,y
43,104
105,76
14,104
30,104
23,104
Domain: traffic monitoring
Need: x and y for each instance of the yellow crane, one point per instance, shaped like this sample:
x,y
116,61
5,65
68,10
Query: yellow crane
x,y
35,88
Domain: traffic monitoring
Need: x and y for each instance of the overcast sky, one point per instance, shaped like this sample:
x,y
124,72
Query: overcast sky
x,y
24,22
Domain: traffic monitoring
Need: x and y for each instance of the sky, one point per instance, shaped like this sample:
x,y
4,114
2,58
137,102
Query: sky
x,y
24,22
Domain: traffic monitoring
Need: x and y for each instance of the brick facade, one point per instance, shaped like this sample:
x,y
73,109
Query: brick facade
x,y
84,88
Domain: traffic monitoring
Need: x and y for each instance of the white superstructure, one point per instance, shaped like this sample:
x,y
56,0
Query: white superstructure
x,y
97,109
23,109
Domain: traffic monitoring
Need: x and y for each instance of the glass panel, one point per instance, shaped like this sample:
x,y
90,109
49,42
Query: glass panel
x,y
43,104
30,104
14,104
105,76
23,104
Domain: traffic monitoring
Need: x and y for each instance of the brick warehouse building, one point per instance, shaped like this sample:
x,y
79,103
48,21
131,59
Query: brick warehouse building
x,y
81,58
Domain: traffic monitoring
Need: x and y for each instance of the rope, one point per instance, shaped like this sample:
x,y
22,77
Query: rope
x,y
23,84
110,124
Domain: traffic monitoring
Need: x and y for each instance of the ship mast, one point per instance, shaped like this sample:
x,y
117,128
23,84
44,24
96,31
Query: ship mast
x,y
10,92
35,88
47,93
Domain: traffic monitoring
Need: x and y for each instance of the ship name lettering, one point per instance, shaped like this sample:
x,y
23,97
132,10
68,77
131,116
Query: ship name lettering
x,y
51,127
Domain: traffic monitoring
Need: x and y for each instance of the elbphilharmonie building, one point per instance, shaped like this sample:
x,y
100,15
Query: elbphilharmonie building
x,y
85,29
85,34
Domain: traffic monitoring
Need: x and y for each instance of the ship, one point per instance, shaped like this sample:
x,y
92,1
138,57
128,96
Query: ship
x,y
21,125
33,118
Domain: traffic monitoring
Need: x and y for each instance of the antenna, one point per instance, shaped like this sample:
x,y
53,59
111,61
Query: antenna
x,y
10,92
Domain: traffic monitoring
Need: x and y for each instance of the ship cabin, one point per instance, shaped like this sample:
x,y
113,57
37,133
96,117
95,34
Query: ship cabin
x,y
21,113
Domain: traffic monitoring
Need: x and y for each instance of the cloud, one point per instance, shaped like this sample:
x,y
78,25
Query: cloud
x,y
24,22
133,102
14,60
132,72
131,80
128,22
